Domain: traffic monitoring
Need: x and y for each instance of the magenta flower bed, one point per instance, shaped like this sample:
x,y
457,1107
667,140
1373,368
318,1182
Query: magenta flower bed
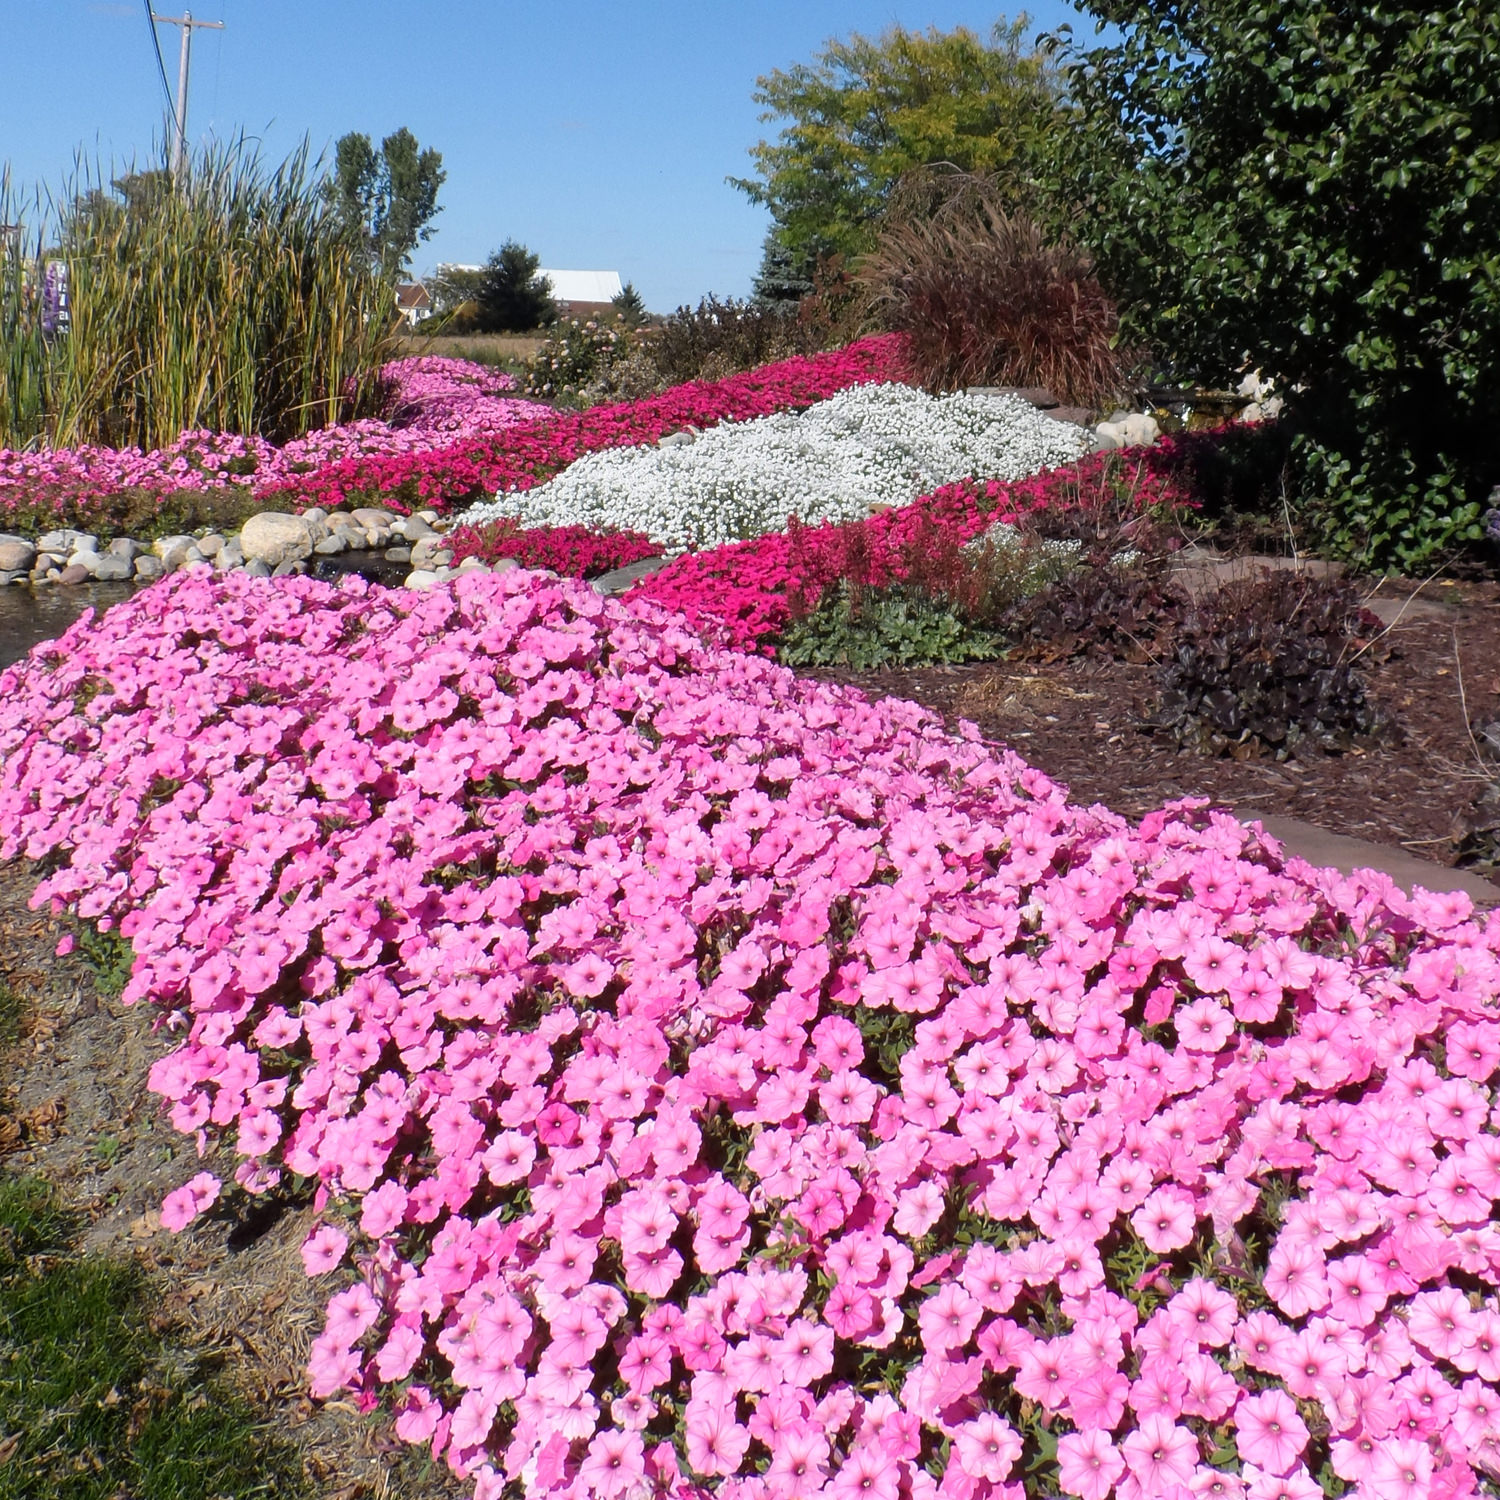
x,y
435,402
740,592
716,1082
575,551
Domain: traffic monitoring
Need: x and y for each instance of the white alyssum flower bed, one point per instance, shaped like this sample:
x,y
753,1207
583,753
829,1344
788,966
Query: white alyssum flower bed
x,y
872,445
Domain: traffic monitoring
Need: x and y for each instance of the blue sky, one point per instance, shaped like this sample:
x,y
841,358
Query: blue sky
x,y
599,135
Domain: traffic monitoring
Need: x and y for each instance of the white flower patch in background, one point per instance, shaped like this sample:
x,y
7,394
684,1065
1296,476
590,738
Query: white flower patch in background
x,y
872,445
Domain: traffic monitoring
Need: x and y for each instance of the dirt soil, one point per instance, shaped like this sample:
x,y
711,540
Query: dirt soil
x,y
1435,670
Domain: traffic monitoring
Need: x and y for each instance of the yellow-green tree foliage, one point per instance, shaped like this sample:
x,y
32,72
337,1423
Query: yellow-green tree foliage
x,y
867,110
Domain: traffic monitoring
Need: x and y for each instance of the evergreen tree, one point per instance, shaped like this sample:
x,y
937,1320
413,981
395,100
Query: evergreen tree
x,y
513,297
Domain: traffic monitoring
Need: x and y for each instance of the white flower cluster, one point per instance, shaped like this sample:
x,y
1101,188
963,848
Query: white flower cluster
x,y
871,445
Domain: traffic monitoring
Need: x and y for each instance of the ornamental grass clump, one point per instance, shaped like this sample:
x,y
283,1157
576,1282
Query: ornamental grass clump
x,y
985,298
228,299
712,1081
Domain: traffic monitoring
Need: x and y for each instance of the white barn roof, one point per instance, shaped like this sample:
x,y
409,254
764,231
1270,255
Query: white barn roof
x,y
584,286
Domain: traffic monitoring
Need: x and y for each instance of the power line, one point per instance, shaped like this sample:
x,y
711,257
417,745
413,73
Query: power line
x,y
161,67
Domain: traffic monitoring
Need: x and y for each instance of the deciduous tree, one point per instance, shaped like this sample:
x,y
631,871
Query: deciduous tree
x,y
1313,187
389,196
867,110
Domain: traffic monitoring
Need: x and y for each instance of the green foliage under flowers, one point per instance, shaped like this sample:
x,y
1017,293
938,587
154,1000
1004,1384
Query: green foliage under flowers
x,y
96,1403
938,601
896,626
108,955
1264,665
236,301
1313,189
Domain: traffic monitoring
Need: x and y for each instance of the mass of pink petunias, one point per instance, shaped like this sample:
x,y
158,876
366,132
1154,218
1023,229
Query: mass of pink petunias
x,y
714,1082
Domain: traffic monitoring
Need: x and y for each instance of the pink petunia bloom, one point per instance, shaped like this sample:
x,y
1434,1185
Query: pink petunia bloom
x,y
715,1442
987,1447
1088,1464
181,1206
323,1249
1160,1454
1166,1220
805,1354
1269,1432
614,1464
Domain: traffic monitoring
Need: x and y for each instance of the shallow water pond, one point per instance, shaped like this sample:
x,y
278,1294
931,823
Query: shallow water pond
x,y
30,616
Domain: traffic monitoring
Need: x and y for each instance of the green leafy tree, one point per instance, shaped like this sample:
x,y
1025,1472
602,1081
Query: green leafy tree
x,y
388,197
868,110
1313,188
513,296
453,288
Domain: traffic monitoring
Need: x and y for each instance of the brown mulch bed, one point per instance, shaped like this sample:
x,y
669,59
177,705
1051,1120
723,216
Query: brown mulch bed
x,y
1081,723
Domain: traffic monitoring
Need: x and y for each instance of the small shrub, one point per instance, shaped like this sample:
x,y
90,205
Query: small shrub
x,y
1477,826
575,356
1263,666
928,598
985,299
719,338
1123,612
866,628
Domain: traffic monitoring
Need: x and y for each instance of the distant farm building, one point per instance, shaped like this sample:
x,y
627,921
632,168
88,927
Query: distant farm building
x,y
583,294
413,304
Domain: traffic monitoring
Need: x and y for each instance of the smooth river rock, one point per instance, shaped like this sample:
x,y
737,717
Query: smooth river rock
x,y
273,538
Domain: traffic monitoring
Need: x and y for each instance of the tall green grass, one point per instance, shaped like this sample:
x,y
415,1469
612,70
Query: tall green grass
x,y
232,299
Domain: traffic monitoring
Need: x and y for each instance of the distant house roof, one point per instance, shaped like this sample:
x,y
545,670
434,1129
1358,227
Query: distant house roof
x,y
411,296
584,286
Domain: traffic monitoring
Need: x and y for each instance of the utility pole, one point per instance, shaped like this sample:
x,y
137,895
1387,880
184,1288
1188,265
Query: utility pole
x,y
186,21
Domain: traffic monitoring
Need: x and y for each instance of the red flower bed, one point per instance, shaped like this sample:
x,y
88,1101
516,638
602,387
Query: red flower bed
x,y
530,452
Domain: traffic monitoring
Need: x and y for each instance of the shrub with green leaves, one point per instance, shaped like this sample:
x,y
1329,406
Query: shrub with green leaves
x,y
1312,188
867,628
577,357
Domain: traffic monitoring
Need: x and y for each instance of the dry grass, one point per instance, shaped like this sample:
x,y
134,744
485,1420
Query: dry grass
x,y
486,348
984,298
1002,695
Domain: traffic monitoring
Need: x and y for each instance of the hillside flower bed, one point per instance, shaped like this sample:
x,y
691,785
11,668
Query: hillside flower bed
x,y
454,435
872,445
714,1082
531,453
434,401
